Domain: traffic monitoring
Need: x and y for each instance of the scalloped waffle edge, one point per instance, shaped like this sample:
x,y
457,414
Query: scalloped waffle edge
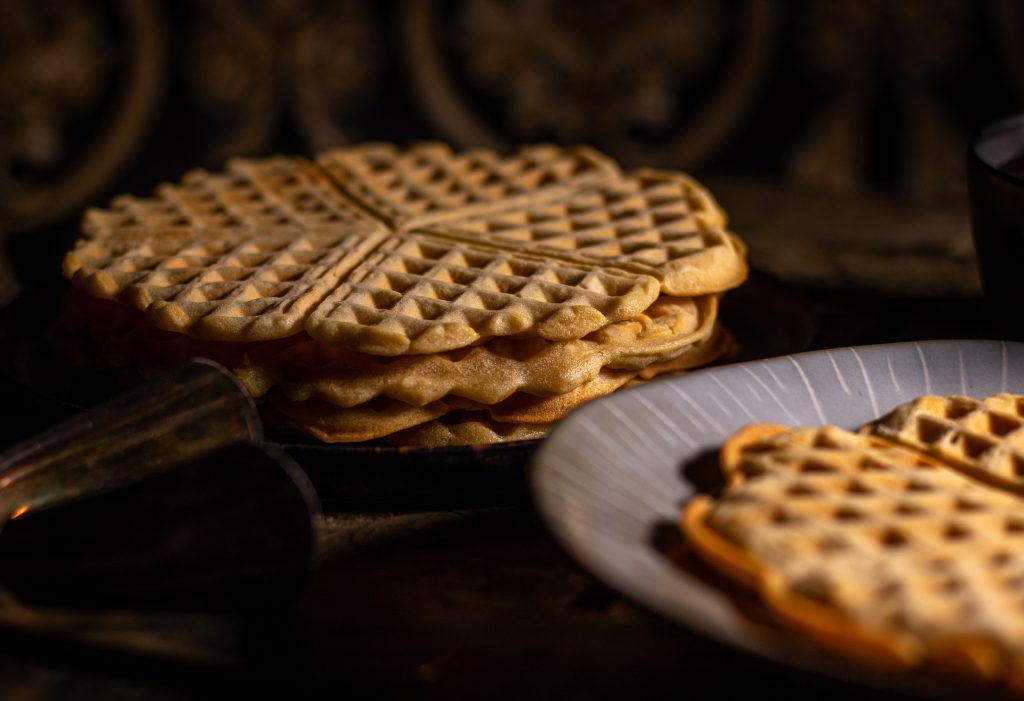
x,y
748,457
984,438
466,428
487,373
381,416
625,237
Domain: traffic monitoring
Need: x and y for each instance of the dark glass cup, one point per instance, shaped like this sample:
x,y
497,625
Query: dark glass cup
x,y
995,185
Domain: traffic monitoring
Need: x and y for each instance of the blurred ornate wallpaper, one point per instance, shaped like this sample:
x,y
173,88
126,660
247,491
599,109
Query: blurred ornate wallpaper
x,y
844,98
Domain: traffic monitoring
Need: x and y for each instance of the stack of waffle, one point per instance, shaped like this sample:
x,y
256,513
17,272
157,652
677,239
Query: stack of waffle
x,y
419,296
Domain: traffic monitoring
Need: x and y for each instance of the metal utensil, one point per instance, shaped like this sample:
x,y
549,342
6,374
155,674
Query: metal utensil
x,y
164,498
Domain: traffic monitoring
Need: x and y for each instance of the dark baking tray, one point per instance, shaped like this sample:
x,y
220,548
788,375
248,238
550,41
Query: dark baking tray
x,y
766,317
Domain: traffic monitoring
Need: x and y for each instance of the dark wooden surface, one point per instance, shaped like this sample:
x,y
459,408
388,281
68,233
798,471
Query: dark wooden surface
x,y
482,603
478,604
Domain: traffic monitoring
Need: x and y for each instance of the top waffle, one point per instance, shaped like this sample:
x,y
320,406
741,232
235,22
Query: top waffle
x,y
428,183
655,223
395,252
276,191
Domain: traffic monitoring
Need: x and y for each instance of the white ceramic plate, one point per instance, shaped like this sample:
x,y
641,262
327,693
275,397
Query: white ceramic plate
x,y
615,472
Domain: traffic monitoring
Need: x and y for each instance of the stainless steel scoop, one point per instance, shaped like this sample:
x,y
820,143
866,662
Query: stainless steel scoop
x,y
163,498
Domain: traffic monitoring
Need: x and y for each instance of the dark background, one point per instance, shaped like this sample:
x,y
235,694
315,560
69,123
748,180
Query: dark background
x,y
763,99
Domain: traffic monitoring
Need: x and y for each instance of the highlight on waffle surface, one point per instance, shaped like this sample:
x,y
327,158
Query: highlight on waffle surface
x,y
899,544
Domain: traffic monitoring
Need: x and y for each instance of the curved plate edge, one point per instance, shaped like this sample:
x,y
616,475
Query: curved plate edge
x,y
604,515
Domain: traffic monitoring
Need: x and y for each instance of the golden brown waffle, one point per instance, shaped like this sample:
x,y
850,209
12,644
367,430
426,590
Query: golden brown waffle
x,y
365,422
379,417
982,437
871,548
421,294
409,296
375,288
224,284
466,428
522,408
494,259
487,373
428,183
271,192
375,419
657,223
715,346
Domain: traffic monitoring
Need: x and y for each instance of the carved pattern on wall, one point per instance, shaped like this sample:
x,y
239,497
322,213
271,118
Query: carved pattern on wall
x,y
250,64
862,51
79,85
784,90
653,82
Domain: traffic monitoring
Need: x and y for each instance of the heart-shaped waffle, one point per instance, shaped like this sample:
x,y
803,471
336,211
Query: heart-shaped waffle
x,y
224,284
871,548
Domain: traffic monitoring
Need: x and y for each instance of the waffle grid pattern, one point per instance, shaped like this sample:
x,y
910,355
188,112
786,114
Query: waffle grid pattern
x,y
895,549
428,183
223,283
411,298
273,192
624,240
488,373
985,436
661,224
